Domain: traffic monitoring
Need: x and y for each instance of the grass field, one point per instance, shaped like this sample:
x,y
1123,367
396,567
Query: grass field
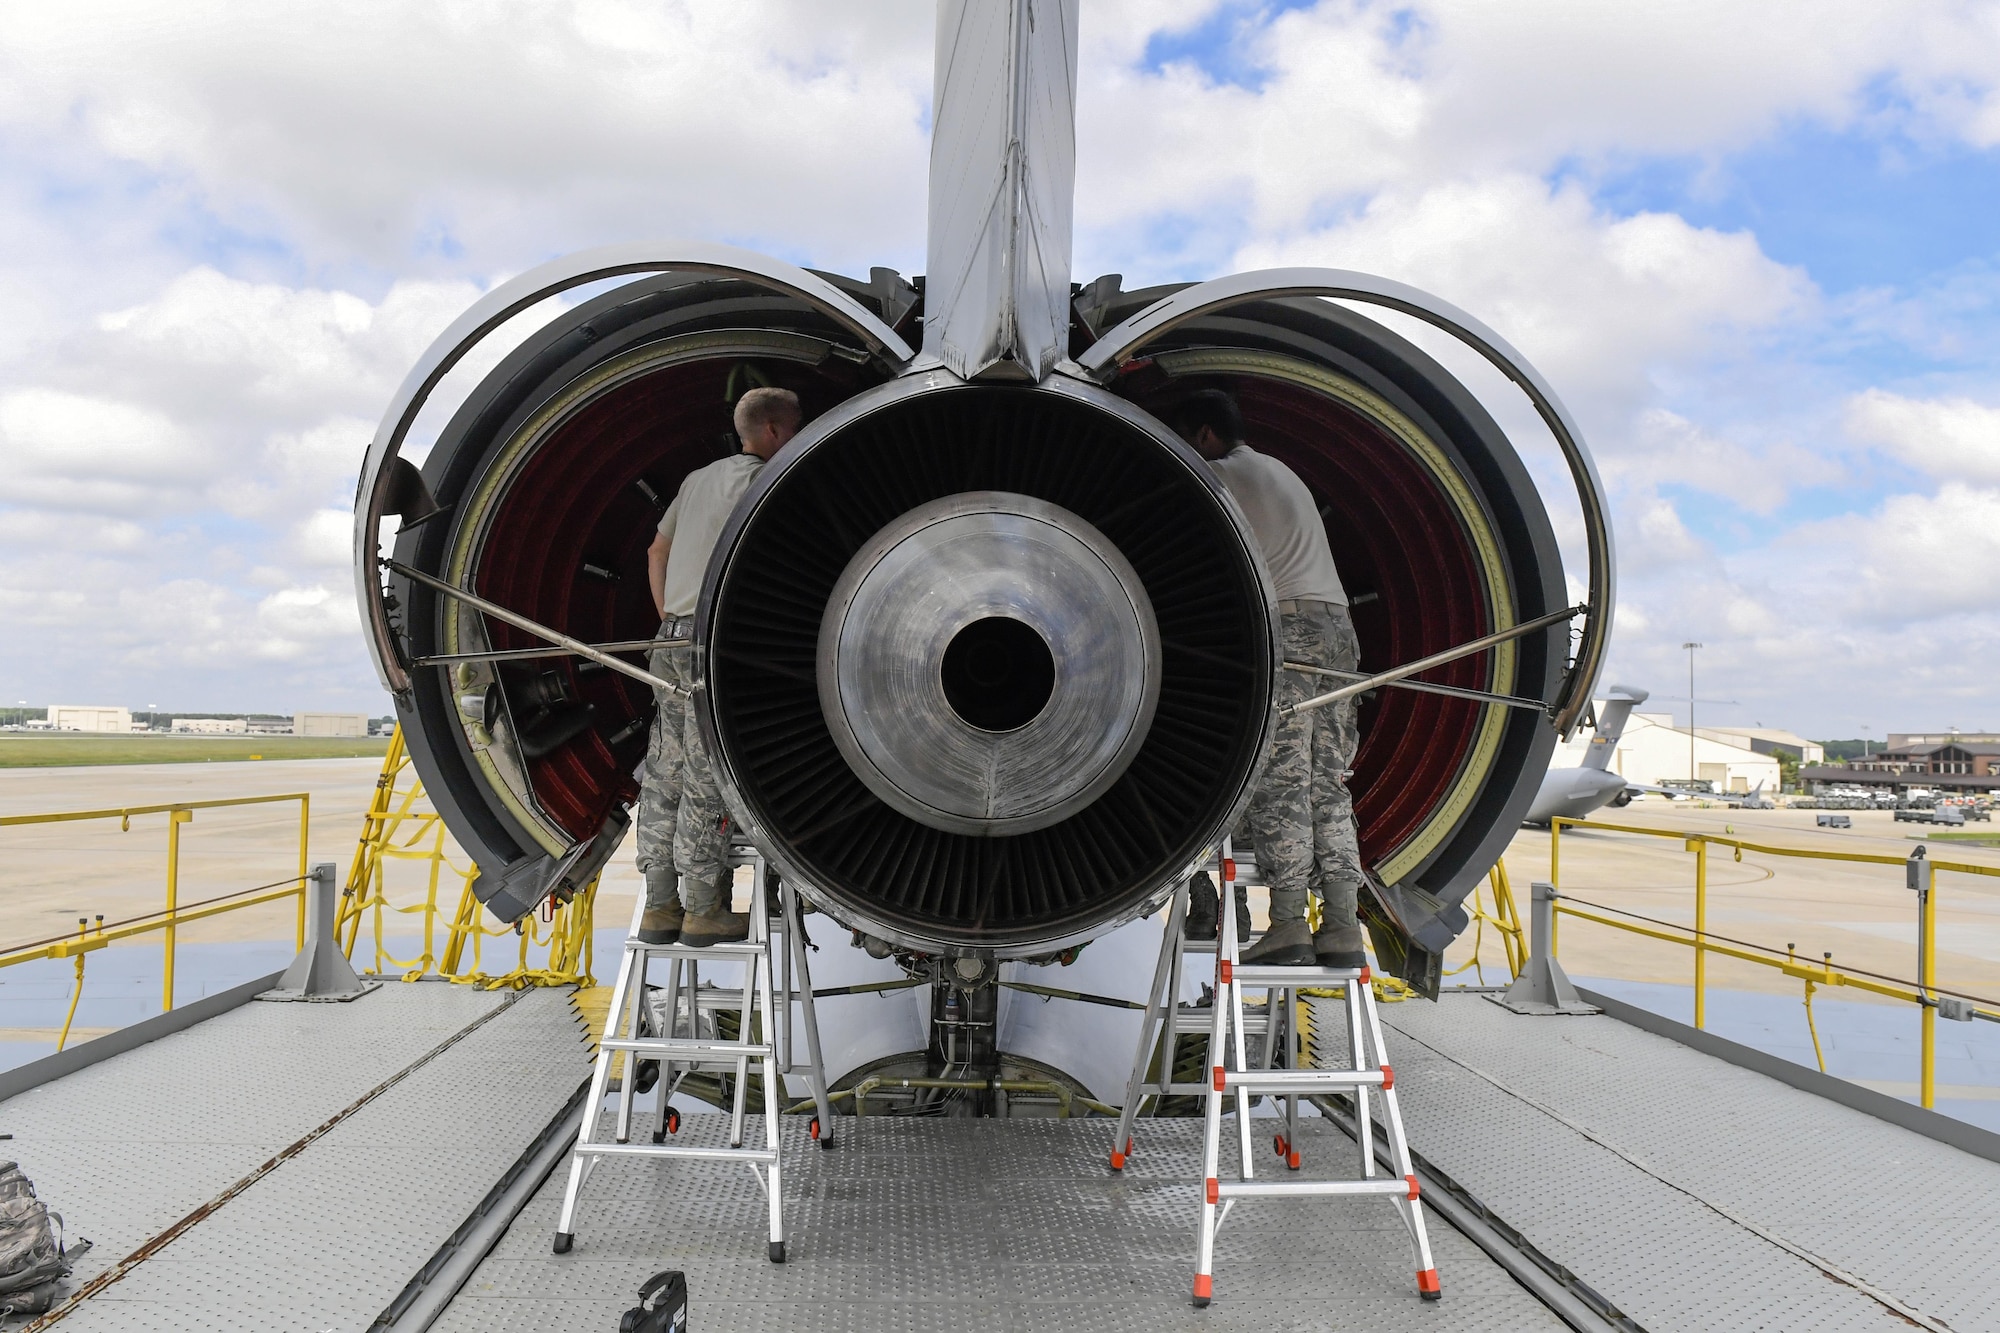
x,y
18,750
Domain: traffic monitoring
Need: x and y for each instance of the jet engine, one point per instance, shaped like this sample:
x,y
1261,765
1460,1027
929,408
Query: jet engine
x,y
986,655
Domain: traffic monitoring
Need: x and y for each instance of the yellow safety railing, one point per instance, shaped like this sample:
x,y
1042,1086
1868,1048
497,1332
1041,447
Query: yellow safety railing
x,y
1923,991
1504,919
173,914
401,827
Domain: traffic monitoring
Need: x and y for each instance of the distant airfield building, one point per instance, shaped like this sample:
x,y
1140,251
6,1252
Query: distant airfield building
x,y
1653,751
211,726
330,724
1902,740
1768,740
1963,763
89,717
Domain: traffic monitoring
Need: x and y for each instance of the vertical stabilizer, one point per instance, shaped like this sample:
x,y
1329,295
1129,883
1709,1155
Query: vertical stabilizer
x,y
1618,707
1003,173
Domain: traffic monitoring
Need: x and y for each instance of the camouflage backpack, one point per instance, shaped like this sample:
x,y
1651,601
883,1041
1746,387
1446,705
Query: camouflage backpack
x,y
33,1260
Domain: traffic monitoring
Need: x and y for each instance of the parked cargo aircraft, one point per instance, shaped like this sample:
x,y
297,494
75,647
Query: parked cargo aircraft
x,y
1572,793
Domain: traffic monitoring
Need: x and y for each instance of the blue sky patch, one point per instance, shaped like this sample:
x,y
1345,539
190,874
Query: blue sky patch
x,y
1218,46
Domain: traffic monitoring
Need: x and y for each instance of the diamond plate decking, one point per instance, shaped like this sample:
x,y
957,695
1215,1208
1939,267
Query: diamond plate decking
x,y
1692,1193
126,1148
978,1224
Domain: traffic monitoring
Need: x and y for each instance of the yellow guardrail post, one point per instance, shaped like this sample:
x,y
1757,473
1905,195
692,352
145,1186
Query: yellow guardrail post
x,y
1700,933
305,831
1555,876
175,818
1921,875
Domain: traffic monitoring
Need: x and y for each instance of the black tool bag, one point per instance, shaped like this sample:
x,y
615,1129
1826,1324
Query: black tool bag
x,y
662,1307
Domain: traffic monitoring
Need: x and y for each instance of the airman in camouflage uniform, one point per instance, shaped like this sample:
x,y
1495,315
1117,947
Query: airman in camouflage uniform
x,y
683,822
1301,817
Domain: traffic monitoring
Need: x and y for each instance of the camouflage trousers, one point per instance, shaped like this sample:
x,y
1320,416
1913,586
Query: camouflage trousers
x,y
683,821
1301,817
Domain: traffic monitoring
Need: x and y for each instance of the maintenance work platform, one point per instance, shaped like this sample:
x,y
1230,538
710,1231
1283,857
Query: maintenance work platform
x,y
392,1163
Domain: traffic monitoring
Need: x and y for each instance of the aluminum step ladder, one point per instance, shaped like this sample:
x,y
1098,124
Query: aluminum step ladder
x,y
764,1039
1277,1074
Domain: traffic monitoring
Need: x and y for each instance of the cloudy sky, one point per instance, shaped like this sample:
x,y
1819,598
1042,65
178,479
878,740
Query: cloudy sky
x,y
1753,246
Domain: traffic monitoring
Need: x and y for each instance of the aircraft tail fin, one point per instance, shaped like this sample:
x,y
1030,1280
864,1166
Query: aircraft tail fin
x,y
1618,707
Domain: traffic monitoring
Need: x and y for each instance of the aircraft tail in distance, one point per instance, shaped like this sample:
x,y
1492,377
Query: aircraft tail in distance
x,y
1618,707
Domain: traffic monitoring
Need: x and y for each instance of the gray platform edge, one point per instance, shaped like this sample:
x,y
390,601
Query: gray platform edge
x,y
130,1037
1931,1124
424,1298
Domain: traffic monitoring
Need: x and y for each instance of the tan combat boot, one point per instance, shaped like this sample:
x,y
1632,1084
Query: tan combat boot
x,y
1285,944
1339,946
721,926
661,925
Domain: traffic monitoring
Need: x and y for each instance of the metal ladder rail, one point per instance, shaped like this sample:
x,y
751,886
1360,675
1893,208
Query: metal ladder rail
x,y
628,1011
1368,1070
1164,1021
790,918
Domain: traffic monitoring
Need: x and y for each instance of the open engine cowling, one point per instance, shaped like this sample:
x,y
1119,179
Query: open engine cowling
x,y
551,476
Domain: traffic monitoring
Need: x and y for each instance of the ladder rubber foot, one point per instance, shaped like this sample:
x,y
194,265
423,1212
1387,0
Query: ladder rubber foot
x,y
1427,1285
1204,1287
1117,1161
1292,1161
777,1251
564,1239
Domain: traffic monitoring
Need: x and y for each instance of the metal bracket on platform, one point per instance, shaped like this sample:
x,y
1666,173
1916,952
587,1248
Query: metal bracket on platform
x,y
321,973
1543,987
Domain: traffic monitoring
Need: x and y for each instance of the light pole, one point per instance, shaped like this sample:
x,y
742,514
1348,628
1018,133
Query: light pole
x,y
1692,770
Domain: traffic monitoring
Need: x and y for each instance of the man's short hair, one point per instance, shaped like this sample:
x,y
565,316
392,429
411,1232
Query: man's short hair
x,y
1212,408
766,407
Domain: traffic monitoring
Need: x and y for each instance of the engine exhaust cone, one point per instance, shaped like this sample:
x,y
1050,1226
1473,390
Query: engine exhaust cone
x,y
988,663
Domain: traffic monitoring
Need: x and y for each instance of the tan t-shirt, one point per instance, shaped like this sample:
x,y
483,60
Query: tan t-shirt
x,y
1287,523
694,522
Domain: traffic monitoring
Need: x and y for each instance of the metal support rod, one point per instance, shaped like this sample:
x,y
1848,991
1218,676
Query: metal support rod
x,y
1424,687
1063,1096
518,621
1422,664
525,654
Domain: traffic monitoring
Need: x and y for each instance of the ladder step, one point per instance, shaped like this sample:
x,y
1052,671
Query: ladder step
x,y
1254,1024
1298,1189
678,1050
1295,976
1299,1080
675,1150
731,949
